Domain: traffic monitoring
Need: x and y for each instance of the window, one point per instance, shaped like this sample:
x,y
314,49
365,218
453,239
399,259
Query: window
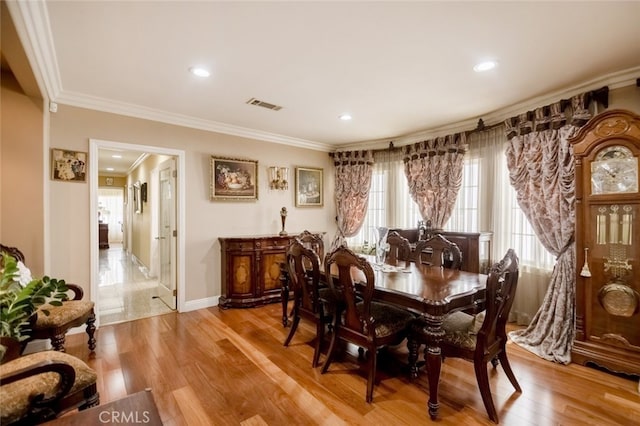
x,y
377,211
486,202
465,215
389,201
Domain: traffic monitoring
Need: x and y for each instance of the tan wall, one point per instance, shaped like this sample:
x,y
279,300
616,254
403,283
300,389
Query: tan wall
x,y
141,226
22,173
118,181
206,220
625,98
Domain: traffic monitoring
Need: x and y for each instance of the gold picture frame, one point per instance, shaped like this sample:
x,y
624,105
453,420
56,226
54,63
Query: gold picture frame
x,y
137,197
68,166
234,179
309,187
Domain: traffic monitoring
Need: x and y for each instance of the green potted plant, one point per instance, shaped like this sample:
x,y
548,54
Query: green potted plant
x,y
20,297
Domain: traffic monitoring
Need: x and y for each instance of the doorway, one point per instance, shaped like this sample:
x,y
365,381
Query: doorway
x,y
122,287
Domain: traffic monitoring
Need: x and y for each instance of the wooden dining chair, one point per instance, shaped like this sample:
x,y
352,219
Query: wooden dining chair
x,y
309,300
438,251
313,242
359,319
399,248
481,342
73,313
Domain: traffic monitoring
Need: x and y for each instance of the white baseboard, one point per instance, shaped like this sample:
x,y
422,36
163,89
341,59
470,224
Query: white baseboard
x,y
141,266
207,302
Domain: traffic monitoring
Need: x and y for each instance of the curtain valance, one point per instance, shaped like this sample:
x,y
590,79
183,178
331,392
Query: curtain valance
x,y
557,114
451,144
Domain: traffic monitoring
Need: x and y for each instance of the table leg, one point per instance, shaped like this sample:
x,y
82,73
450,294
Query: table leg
x,y
434,363
433,355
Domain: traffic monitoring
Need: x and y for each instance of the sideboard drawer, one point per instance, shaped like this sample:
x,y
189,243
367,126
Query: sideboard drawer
x,y
240,245
277,243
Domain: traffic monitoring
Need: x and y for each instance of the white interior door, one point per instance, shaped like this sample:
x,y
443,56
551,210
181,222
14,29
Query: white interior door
x,y
167,232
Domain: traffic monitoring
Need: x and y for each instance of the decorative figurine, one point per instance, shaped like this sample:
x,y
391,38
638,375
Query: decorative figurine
x,y
283,217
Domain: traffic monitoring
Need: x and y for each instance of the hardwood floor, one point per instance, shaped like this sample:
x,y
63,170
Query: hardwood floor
x,y
229,367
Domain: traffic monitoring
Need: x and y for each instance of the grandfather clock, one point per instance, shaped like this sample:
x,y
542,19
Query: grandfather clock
x,y
607,151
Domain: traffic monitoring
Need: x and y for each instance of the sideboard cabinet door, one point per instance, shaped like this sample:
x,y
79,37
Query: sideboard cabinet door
x,y
250,270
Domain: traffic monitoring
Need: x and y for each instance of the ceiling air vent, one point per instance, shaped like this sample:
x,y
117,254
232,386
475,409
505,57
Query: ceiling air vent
x,y
267,105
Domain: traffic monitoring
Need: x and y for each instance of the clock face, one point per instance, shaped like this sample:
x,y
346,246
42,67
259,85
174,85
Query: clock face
x,y
613,171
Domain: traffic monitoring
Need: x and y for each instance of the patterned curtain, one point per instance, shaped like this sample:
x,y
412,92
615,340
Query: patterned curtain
x,y
434,173
353,180
541,170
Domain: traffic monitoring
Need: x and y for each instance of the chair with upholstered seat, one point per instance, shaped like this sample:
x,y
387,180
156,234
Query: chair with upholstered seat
x,y
483,340
309,300
358,319
37,387
438,251
73,313
399,248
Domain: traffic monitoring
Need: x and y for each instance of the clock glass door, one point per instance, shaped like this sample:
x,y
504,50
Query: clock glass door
x,y
614,296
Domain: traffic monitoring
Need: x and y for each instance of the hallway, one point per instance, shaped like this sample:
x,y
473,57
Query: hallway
x,y
125,293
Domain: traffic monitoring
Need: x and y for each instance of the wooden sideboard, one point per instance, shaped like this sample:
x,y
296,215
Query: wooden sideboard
x,y
103,235
475,247
251,269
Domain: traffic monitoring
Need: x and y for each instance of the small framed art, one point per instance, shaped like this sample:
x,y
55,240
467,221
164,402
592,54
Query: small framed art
x,y
234,179
68,166
309,187
137,197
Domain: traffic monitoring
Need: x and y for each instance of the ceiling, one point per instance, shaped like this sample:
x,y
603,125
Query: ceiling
x,y
117,162
400,69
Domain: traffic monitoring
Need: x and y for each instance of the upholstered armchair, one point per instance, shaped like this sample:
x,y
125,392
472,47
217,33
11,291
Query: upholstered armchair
x,y
37,387
73,313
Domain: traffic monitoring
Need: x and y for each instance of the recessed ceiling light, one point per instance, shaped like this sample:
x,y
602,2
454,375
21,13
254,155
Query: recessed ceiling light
x,y
110,169
345,117
200,72
485,66
116,156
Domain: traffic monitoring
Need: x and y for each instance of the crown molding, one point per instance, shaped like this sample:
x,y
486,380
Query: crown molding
x,y
106,105
32,25
613,80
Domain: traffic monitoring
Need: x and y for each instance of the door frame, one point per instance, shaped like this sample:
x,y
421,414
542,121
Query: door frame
x,y
94,146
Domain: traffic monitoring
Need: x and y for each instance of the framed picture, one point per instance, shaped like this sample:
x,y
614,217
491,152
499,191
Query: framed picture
x,y
234,179
137,197
309,187
68,166
143,192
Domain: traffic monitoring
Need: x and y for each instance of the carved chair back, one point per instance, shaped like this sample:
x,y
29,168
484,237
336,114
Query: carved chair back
x,y
313,242
304,275
438,251
399,248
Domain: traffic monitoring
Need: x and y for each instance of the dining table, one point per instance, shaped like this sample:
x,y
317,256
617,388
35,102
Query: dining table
x,y
429,291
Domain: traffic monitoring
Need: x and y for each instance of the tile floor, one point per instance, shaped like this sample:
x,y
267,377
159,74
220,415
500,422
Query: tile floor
x,y
125,293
